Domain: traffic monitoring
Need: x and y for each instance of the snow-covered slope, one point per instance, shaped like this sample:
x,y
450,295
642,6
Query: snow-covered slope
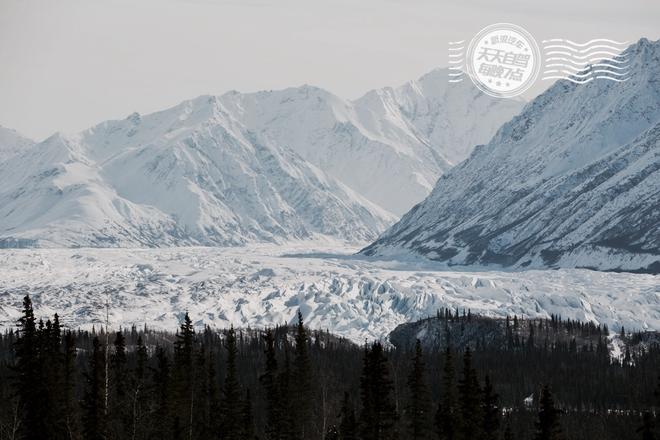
x,y
187,175
390,145
12,143
573,181
266,166
264,285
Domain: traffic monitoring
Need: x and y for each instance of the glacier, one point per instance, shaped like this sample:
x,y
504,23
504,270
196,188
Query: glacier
x,y
261,285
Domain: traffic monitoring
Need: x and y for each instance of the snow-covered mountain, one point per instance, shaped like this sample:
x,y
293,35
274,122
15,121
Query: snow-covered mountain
x,y
188,175
390,145
12,143
266,166
573,181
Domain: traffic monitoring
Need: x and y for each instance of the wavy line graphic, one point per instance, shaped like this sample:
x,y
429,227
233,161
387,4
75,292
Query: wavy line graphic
x,y
568,79
581,51
586,74
581,63
595,40
614,79
453,43
585,62
578,69
587,56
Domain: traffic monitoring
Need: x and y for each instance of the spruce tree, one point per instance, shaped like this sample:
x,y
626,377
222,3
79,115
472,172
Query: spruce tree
x,y
647,430
94,417
268,379
212,396
285,380
137,391
53,394
69,386
29,380
348,429
491,411
418,409
303,395
547,426
247,418
508,431
230,405
446,416
120,406
469,401
378,417
162,393
184,384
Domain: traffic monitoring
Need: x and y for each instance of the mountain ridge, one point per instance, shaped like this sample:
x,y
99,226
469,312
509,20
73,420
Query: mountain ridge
x,y
226,170
557,186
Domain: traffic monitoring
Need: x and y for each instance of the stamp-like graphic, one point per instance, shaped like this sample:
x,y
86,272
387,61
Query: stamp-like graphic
x,y
581,63
503,60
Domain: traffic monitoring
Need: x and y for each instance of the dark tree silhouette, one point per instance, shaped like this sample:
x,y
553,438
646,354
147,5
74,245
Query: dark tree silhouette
x,y
547,426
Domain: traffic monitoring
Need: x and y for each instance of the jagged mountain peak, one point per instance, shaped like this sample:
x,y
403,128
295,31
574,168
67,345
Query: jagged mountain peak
x,y
12,143
230,169
561,184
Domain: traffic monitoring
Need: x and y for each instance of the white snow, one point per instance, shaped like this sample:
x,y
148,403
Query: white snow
x,y
573,181
12,143
267,166
262,285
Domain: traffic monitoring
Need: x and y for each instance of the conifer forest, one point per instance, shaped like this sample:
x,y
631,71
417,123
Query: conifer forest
x,y
546,379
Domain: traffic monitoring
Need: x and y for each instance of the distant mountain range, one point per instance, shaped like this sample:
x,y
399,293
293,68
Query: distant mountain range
x,y
572,181
231,169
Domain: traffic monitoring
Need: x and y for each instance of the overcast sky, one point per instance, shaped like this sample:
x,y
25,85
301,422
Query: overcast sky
x,y
68,64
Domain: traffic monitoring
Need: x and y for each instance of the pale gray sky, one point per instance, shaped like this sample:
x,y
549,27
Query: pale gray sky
x,y
68,64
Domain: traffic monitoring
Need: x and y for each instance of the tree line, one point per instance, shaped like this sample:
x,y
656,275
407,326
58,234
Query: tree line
x,y
291,383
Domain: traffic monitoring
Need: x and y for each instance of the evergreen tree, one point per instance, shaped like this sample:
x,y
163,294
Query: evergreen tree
x,y
446,417
508,432
303,396
138,396
247,418
647,430
378,417
230,405
94,412
491,411
184,384
469,401
285,379
212,397
120,406
348,429
54,393
418,410
547,426
29,380
69,386
163,425
268,379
